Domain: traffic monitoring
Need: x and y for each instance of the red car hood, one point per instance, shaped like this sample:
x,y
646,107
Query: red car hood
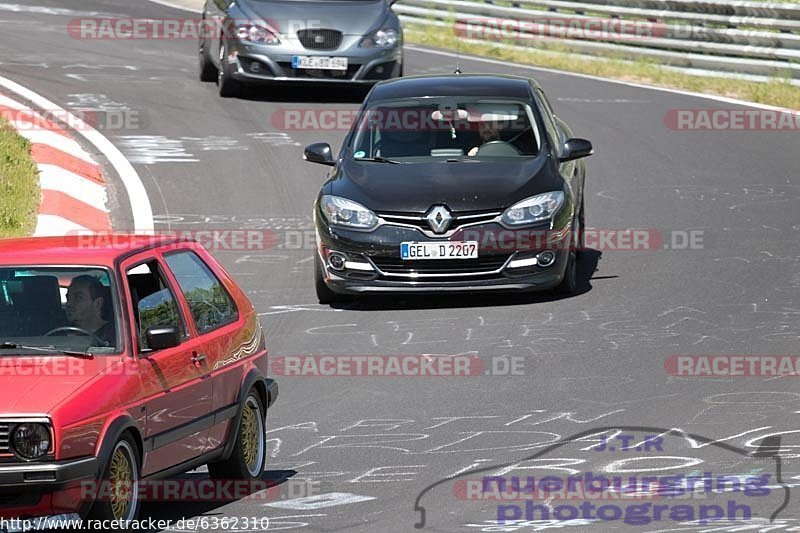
x,y
35,385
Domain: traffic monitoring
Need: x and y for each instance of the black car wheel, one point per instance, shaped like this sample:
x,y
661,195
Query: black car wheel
x,y
228,87
324,294
569,285
208,72
580,245
250,449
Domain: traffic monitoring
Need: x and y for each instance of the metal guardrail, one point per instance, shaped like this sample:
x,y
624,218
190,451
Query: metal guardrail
x,y
740,37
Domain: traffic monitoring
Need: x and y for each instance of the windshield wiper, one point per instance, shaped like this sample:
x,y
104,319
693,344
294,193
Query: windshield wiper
x,y
46,349
378,159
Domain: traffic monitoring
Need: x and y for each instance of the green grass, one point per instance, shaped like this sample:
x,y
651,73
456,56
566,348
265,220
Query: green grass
x,y
19,184
776,92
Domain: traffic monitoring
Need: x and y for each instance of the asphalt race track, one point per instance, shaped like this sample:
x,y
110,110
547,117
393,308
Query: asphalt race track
x,y
371,445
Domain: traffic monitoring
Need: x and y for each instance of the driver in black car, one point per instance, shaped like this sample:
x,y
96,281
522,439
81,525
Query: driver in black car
x,y
489,131
86,306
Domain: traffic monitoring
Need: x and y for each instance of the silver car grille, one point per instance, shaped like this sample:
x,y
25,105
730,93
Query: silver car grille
x,y
320,39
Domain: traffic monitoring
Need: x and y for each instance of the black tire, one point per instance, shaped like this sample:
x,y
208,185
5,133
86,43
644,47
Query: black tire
x,y
249,453
569,285
228,87
325,295
580,245
109,505
208,72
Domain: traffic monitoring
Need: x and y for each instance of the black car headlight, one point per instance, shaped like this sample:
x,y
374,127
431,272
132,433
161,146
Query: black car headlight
x,y
343,212
534,209
256,34
385,38
31,440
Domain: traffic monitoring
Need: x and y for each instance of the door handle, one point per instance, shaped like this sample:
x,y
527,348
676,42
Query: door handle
x,y
198,358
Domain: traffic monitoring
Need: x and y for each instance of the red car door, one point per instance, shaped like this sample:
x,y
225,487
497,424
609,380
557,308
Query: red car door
x,y
227,340
175,381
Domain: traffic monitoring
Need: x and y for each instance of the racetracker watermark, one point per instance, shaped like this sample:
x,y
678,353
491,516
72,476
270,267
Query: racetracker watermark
x,y
736,366
205,489
445,118
732,120
396,366
563,27
503,240
255,31
218,240
75,119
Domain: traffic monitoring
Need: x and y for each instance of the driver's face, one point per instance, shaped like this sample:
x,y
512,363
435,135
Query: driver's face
x,y
80,308
489,130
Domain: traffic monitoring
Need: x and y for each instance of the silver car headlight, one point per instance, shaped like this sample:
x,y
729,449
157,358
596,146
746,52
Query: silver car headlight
x,y
534,209
256,34
343,212
385,38
31,440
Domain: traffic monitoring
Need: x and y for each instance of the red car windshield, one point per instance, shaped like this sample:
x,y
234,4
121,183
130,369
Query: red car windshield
x,y
63,308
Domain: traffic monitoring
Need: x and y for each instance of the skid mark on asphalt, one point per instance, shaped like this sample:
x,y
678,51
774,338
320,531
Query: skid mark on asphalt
x,y
320,501
273,139
284,309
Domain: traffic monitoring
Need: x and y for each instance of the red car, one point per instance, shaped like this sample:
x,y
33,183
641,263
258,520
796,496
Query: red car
x,y
123,360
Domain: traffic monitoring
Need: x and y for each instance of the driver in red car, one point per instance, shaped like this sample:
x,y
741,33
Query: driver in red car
x,y
86,308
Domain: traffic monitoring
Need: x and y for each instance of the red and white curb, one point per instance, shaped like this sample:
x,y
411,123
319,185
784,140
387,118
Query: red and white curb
x,y
73,189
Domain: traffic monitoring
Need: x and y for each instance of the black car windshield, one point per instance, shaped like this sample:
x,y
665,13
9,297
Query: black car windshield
x,y
57,308
446,130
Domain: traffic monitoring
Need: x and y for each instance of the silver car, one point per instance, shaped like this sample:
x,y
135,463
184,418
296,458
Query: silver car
x,y
308,41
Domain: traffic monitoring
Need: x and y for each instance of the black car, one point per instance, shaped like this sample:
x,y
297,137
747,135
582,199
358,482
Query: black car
x,y
450,183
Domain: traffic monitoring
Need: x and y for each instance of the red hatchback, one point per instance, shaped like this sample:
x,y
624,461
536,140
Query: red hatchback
x,y
123,360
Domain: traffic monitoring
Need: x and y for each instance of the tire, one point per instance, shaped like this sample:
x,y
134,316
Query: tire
x,y
124,467
569,285
325,295
580,246
228,87
250,449
208,72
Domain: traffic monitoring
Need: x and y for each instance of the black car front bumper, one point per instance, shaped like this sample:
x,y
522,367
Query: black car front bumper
x,y
374,263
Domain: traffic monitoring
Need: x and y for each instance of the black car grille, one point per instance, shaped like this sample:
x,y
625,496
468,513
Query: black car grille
x,y
458,220
320,39
441,267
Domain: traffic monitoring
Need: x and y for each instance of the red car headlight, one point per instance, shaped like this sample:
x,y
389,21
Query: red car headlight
x,y
31,440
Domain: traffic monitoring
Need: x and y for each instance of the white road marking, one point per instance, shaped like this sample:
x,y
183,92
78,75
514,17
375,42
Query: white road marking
x,y
320,501
137,195
55,178
49,225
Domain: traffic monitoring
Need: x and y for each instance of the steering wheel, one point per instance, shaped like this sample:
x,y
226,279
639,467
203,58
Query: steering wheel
x,y
498,148
76,330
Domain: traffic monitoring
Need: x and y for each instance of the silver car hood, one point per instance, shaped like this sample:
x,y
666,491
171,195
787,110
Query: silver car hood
x,y
351,17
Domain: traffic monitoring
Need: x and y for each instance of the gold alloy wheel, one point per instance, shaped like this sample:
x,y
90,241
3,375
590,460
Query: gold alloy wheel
x,y
121,477
251,433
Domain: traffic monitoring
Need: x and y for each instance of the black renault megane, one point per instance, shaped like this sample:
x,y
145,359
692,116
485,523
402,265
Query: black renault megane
x,y
450,183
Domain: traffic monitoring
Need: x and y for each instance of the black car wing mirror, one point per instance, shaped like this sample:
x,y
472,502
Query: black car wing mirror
x,y
319,153
162,337
575,149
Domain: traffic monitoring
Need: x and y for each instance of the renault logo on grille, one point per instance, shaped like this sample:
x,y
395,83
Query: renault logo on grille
x,y
439,218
